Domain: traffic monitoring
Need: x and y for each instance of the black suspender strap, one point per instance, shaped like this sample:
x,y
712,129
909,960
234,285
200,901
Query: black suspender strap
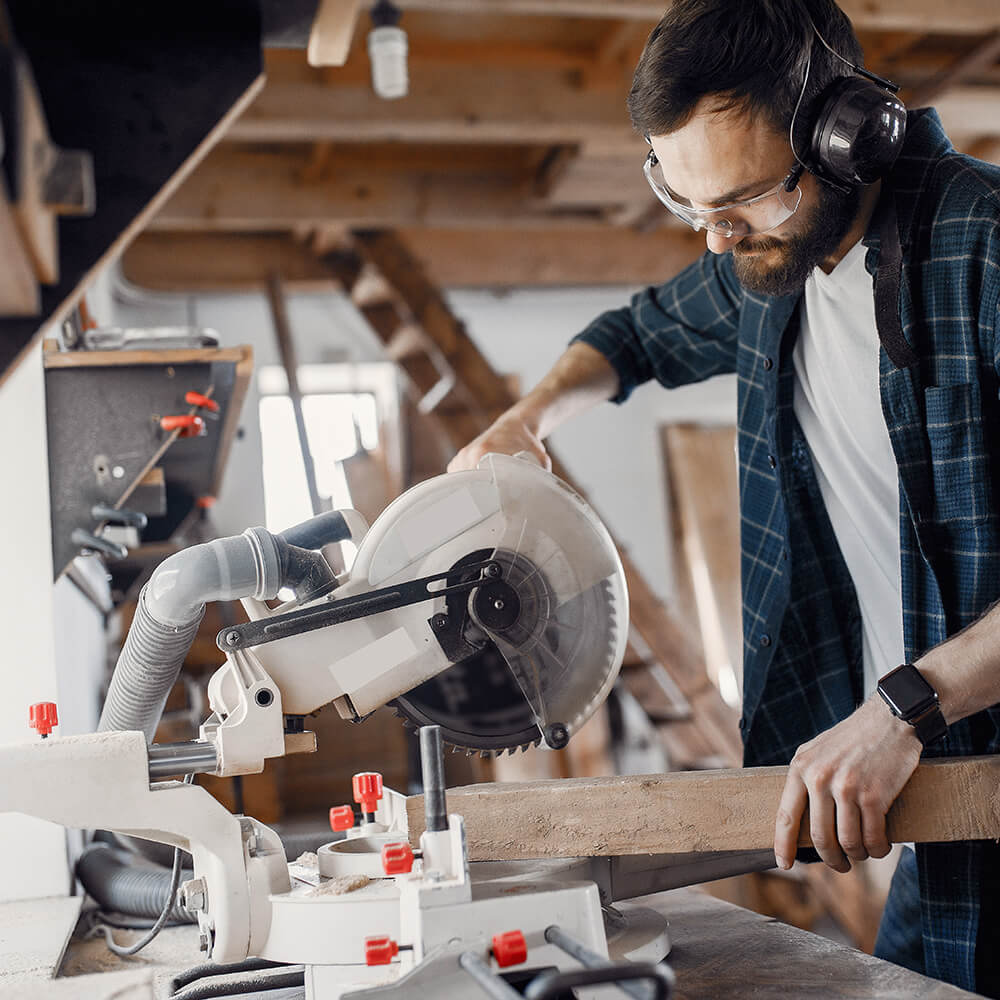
x,y
887,279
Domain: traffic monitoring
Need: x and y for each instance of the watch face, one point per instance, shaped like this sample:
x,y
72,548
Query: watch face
x,y
906,691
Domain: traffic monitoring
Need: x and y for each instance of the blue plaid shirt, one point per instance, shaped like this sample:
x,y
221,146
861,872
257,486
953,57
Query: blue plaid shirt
x,y
801,622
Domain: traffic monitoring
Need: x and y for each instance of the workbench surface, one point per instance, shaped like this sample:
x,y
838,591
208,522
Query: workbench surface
x,y
721,950
718,950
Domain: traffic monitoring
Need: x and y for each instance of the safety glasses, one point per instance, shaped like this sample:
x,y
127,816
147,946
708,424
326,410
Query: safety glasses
x,y
759,214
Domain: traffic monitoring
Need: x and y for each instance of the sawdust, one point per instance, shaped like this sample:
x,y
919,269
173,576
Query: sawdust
x,y
308,859
340,885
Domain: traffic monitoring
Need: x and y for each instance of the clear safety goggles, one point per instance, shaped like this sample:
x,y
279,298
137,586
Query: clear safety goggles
x,y
759,214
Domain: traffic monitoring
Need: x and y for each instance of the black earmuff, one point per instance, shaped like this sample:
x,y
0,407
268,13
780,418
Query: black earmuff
x,y
858,132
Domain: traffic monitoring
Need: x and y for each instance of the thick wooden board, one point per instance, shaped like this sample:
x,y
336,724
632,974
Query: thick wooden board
x,y
697,811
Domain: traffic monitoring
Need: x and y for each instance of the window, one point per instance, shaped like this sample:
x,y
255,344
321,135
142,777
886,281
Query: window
x,y
347,408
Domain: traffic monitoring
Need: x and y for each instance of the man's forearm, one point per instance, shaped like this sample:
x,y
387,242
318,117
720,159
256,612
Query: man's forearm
x,y
965,670
580,379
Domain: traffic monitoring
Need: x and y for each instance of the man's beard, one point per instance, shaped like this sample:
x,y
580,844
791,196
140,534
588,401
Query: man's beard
x,y
831,218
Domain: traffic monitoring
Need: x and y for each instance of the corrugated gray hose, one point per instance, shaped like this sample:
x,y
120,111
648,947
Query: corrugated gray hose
x,y
121,888
170,609
148,667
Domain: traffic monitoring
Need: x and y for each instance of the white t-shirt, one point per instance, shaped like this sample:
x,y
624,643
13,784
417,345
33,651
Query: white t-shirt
x,y
837,403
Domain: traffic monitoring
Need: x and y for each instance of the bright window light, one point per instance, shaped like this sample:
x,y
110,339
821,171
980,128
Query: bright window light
x,y
338,425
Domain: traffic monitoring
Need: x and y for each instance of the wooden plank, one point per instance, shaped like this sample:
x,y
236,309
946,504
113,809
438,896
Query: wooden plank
x,y
698,811
447,102
589,254
701,469
129,359
19,295
332,31
264,190
961,16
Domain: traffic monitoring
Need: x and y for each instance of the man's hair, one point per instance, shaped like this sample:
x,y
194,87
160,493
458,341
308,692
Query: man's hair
x,y
750,54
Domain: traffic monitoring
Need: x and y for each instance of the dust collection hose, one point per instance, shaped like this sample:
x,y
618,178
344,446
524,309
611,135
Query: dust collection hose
x,y
122,888
169,610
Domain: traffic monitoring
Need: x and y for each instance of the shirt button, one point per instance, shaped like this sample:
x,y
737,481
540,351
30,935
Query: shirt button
x,y
772,461
768,364
765,640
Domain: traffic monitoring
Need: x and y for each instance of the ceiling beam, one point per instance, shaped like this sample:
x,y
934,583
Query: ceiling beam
x,y
266,191
447,103
959,16
981,56
457,258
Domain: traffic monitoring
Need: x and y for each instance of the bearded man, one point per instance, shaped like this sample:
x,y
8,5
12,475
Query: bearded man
x,y
852,282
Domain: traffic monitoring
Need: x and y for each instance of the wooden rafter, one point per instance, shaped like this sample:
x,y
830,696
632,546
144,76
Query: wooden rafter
x,y
589,255
960,16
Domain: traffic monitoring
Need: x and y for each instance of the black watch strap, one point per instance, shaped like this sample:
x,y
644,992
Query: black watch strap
x,y
930,726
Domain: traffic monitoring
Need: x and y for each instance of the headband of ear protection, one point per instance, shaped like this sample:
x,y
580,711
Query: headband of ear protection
x,y
858,132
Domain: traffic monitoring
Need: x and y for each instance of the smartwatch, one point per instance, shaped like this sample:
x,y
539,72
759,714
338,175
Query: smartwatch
x,y
911,698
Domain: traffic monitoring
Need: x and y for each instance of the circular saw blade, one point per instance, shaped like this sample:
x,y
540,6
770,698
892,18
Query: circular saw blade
x,y
480,702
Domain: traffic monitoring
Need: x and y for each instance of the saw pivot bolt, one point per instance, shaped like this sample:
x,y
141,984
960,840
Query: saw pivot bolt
x,y
367,792
510,948
556,735
341,818
397,859
380,950
42,717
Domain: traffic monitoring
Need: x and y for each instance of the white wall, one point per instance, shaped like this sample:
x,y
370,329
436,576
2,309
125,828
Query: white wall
x,y
33,855
613,453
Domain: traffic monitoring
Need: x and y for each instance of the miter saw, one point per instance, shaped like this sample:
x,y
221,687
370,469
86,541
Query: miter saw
x,y
489,608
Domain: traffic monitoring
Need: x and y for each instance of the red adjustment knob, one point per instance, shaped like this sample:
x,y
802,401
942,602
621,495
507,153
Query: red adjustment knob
x,y
368,790
42,717
205,402
189,424
380,950
341,818
510,948
397,859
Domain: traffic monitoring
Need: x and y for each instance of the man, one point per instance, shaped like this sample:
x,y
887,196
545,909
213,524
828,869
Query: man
x,y
870,528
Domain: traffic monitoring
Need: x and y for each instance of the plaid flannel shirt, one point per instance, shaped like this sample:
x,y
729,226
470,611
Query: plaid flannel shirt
x,y
801,622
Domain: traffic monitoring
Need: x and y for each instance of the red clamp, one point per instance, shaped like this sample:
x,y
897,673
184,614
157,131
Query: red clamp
x,y
341,818
397,859
189,424
380,950
203,402
510,948
42,717
367,790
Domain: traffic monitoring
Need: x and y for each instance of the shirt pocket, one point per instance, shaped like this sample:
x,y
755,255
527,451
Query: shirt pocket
x,y
960,467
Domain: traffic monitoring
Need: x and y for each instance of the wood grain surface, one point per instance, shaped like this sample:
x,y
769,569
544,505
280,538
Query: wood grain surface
x,y
697,811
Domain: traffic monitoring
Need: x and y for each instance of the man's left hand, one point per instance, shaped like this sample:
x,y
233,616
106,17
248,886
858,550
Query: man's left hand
x,y
848,777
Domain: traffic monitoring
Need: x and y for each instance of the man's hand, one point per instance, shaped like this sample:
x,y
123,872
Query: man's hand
x,y
508,435
848,777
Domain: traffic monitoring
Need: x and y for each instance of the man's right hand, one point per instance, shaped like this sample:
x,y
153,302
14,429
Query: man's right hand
x,y
508,435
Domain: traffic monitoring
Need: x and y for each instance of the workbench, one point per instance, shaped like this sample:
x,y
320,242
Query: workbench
x,y
718,950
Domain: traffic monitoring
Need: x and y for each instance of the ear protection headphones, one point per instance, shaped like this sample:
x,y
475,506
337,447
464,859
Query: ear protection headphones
x,y
858,131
